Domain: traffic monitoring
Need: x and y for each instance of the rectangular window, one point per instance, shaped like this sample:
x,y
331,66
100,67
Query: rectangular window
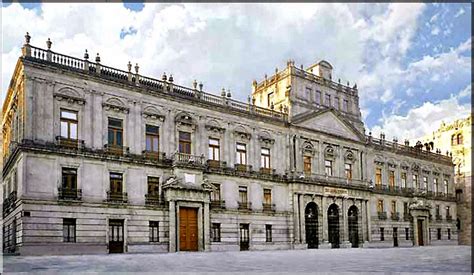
x,y
382,236
348,171
308,93
394,207
435,185
439,234
425,182
243,194
327,100
380,206
415,182
407,233
265,158
216,193
69,176
405,208
153,186
154,232
270,99
318,98
328,167
116,180
391,178
403,177
336,103
267,196
115,132
378,176
447,211
449,233
446,186
214,149
241,154
437,210
268,233
152,138
345,105
184,142
68,124
216,232
307,164
69,230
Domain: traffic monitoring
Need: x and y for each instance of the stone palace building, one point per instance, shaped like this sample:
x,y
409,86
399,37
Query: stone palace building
x,y
100,160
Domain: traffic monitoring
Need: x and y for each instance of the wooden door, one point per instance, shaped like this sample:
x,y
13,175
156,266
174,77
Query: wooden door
x,y
188,229
420,233
244,236
395,236
116,236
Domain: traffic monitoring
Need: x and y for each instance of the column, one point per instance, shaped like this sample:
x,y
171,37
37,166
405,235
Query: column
x,y
172,226
296,223
206,217
302,217
325,243
369,226
363,221
345,229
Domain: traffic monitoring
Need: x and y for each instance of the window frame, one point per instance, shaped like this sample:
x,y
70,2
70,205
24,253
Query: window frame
x,y
116,180
267,195
115,131
214,149
69,226
184,145
307,164
153,185
328,165
348,170
378,176
215,232
265,158
69,178
243,194
268,233
152,136
154,231
241,153
69,122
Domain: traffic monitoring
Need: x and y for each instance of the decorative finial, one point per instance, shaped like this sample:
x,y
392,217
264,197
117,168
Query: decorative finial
x,y
276,70
27,38
200,86
301,66
171,78
164,77
265,76
254,83
339,80
370,133
136,68
347,83
86,55
249,99
129,66
195,84
355,86
223,92
228,93
48,44
97,58
272,106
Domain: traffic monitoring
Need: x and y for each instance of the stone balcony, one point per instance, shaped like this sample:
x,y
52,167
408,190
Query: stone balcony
x,y
117,197
247,206
72,194
382,215
217,204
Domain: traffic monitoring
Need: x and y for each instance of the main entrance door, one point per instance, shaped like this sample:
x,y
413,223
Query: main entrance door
x,y
311,225
115,236
244,236
395,236
333,225
188,229
420,232
353,226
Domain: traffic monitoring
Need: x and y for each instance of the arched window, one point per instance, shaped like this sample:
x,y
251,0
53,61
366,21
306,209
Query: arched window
x,y
453,140
459,139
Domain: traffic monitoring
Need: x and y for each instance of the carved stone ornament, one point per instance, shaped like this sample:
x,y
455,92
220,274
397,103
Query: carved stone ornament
x,y
215,129
418,203
415,167
329,152
153,116
69,99
266,140
115,108
242,135
349,156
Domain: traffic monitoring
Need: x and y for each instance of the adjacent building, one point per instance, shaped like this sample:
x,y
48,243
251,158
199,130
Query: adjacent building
x,y
101,160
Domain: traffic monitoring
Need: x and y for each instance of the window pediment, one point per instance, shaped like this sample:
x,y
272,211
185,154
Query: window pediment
x,y
115,105
69,95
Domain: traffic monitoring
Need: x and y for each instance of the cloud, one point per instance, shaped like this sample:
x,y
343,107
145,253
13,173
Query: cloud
x,y
435,30
460,12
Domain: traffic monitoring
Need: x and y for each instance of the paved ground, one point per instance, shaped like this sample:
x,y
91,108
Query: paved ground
x,y
445,259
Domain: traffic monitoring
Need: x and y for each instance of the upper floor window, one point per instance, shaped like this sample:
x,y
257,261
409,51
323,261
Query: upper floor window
x,y
446,186
327,100
391,178
345,105
242,194
216,193
405,208
378,176
394,207
459,139
265,158
447,211
437,210
115,132
267,196
214,149
184,142
69,176
328,167
68,124
152,138
380,206
425,182
318,97
153,186
435,185
116,180
307,164
270,99
336,103
403,177
241,154
415,181
348,170
456,139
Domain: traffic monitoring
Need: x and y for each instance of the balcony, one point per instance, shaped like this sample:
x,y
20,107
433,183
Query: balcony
x,y
406,217
439,217
242,168
116,150
188,160
153,200
69,194
395,216
268,207
69,143
154,155
215,164
217,204
382,215
267,171
245,205
116,197
449,218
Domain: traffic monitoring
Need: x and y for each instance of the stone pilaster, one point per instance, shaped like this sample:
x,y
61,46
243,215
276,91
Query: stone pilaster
x,y
325,243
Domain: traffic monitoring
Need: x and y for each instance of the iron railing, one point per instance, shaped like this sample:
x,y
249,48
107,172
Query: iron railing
x,y
245,205
268,207
69,193
382,215
217,204
117,197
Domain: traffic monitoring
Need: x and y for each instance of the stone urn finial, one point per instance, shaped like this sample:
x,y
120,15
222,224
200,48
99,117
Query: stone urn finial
x,y
223,92
229,95
136,68
195,84
97,58
164,77
129,66
27,38
171,78
86,55
200,86
48,44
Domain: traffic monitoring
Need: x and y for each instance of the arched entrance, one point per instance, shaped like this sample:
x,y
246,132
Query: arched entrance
x,y
333,225
353,226
311,225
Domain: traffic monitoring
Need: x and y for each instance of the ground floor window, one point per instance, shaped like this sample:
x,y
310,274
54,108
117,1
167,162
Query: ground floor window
x,y
216,232
439,233
153,226
268,233
449,234
69,230
407,233
382,237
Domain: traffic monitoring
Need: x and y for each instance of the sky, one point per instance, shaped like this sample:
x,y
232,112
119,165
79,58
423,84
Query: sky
x,y
411,61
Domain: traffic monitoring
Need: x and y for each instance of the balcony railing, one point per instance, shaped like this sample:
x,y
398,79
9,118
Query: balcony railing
x,y
245,205
216,164
69,194
439,217
268,171
268,207
406,217
449,218
153,200
242,168
116,197
395,216
69,143
382,215
187,159
217,204
155,156
116,150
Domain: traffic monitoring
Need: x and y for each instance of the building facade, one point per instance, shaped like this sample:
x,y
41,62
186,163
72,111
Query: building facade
x,y
100,160
455,138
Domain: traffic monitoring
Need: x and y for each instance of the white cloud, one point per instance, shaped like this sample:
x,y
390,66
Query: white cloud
x,y
459,13
435,30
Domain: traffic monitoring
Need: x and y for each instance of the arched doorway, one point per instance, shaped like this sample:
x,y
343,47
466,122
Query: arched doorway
x,y
353,226
311,225
333,225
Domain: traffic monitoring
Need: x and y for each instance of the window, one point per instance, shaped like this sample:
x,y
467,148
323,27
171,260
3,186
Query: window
x,y
116,183
336,103
391,178
439,234
69,176
404,179
216,193
327,100
243,194
265,158
267,196
437,210
446,186
69,230
115,132
380,206
459,139
435,185
152,138
268,233
307,164
214,149
378,176
415,182
241,154
308,93
328,167
405,208
154,232
407,233
447,211
394,207
425,182
348,171
449,233
154,186
453,140
216,232
68,124
345,105
184,142
382,237
318,98
270,99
